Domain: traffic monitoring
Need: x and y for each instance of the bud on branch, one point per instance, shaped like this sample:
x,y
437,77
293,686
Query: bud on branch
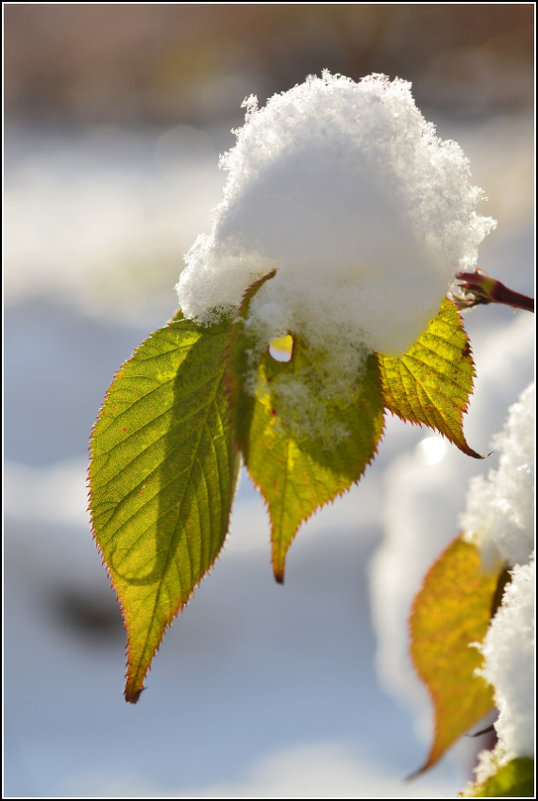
x,y
475,288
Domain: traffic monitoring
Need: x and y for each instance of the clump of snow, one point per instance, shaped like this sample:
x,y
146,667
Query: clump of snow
x,y
499,518
365,213
509,667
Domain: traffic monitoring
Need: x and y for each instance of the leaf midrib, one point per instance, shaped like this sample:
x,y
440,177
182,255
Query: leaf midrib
x,y
174,537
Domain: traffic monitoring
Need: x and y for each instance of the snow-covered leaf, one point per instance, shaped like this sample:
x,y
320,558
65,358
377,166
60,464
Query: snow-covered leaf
x,y
302,446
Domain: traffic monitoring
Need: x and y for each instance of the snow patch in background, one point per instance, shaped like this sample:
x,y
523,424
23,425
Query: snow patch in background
x,y
321,770
98,219
59,493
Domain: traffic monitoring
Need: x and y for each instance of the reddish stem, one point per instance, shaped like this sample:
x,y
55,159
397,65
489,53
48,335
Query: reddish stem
x,y
488,290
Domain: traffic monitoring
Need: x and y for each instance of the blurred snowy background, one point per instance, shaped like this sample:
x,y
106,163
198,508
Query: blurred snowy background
x,y
114,119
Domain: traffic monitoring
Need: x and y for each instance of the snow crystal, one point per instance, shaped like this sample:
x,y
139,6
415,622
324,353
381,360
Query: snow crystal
x,y
365,213
499,518
509,666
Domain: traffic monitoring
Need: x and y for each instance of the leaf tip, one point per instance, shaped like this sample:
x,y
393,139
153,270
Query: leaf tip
x,y
279,565
470,452
416,773
278,557
132,696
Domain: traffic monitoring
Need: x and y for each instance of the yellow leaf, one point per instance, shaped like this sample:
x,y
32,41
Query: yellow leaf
x,y
431,383
450,613
302,444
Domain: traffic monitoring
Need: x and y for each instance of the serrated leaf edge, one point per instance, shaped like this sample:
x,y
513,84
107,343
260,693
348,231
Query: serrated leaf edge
x,y
278,571
463,446
133,695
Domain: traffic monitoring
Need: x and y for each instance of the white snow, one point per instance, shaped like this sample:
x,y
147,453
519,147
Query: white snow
x,y
500,521
509,663
509,667
366,214
499,518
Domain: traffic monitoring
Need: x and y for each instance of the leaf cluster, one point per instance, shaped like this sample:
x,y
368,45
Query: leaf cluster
x,y
192,402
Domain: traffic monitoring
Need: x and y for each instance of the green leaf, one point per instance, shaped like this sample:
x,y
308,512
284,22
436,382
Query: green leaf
x,y
450,613
432,382
514,780
302,443
162,477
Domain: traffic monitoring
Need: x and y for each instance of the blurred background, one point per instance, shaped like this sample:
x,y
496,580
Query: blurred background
x,y
115,116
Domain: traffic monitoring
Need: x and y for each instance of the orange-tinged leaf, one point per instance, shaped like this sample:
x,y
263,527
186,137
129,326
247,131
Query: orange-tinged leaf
x,y
303,446
450,613
431,383
162,477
